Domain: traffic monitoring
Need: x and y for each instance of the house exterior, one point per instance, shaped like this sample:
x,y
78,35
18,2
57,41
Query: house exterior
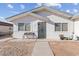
x,y
5,28
44,22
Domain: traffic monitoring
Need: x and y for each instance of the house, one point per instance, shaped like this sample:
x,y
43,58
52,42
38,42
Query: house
x,y
5,28
44,22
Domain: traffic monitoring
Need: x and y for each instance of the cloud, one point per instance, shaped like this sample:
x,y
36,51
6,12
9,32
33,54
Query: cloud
x,y
10,6
22,6
1,17
53,4
75,10
75,3
68,11
50,4
39,4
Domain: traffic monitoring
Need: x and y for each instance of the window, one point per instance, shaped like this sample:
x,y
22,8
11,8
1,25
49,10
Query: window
x,y
64,26
20,26
61,27
27,27
23,26
57,26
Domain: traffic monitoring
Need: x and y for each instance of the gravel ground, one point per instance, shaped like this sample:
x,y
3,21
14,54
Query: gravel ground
x,y
65,48
16,48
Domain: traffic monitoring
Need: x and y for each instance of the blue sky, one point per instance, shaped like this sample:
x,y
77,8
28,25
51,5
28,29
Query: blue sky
x,y
9,9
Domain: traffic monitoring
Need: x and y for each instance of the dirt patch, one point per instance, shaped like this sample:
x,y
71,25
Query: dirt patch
x,y
16,48
65,48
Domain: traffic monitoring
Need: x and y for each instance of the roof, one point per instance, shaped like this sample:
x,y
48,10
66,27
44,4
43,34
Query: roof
x,y
57,12
37,16
21,13
76,17
5,24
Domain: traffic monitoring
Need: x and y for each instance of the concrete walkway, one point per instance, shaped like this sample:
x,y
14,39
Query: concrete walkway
x,y
42,49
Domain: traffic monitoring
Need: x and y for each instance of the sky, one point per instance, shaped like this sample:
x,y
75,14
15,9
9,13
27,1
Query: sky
x,y
10,9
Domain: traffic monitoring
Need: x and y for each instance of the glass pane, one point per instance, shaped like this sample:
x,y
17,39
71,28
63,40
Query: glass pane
x,y
27,27
57,26
20,26
64,27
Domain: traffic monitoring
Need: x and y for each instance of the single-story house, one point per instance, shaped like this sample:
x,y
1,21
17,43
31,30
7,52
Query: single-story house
x,y
45,23
5,28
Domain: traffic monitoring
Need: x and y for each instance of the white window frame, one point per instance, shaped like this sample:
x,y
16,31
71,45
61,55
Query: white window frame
x,y
29,26
61,26
24,27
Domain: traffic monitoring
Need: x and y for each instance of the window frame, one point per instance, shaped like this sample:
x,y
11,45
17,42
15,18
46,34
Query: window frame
x,y
61,27
19,27
24,27
66,27
29,27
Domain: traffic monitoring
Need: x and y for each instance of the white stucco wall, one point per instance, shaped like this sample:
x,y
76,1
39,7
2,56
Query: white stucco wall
x,y
51,33
27,19
76,29
50,29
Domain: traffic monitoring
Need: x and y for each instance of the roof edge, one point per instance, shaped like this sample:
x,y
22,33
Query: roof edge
x,y
37,8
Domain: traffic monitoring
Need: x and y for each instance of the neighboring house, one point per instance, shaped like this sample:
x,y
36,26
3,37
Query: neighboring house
x,y
44,22
5,28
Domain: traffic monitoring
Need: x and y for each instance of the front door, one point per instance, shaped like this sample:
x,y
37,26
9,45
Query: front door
x,y
41,30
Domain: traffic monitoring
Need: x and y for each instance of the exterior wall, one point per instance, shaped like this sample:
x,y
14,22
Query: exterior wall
x,y
76,29
51,33
4,29
27,19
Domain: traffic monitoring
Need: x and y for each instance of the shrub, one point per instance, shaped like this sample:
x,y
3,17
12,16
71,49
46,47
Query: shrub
x,y
77,37
62,37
